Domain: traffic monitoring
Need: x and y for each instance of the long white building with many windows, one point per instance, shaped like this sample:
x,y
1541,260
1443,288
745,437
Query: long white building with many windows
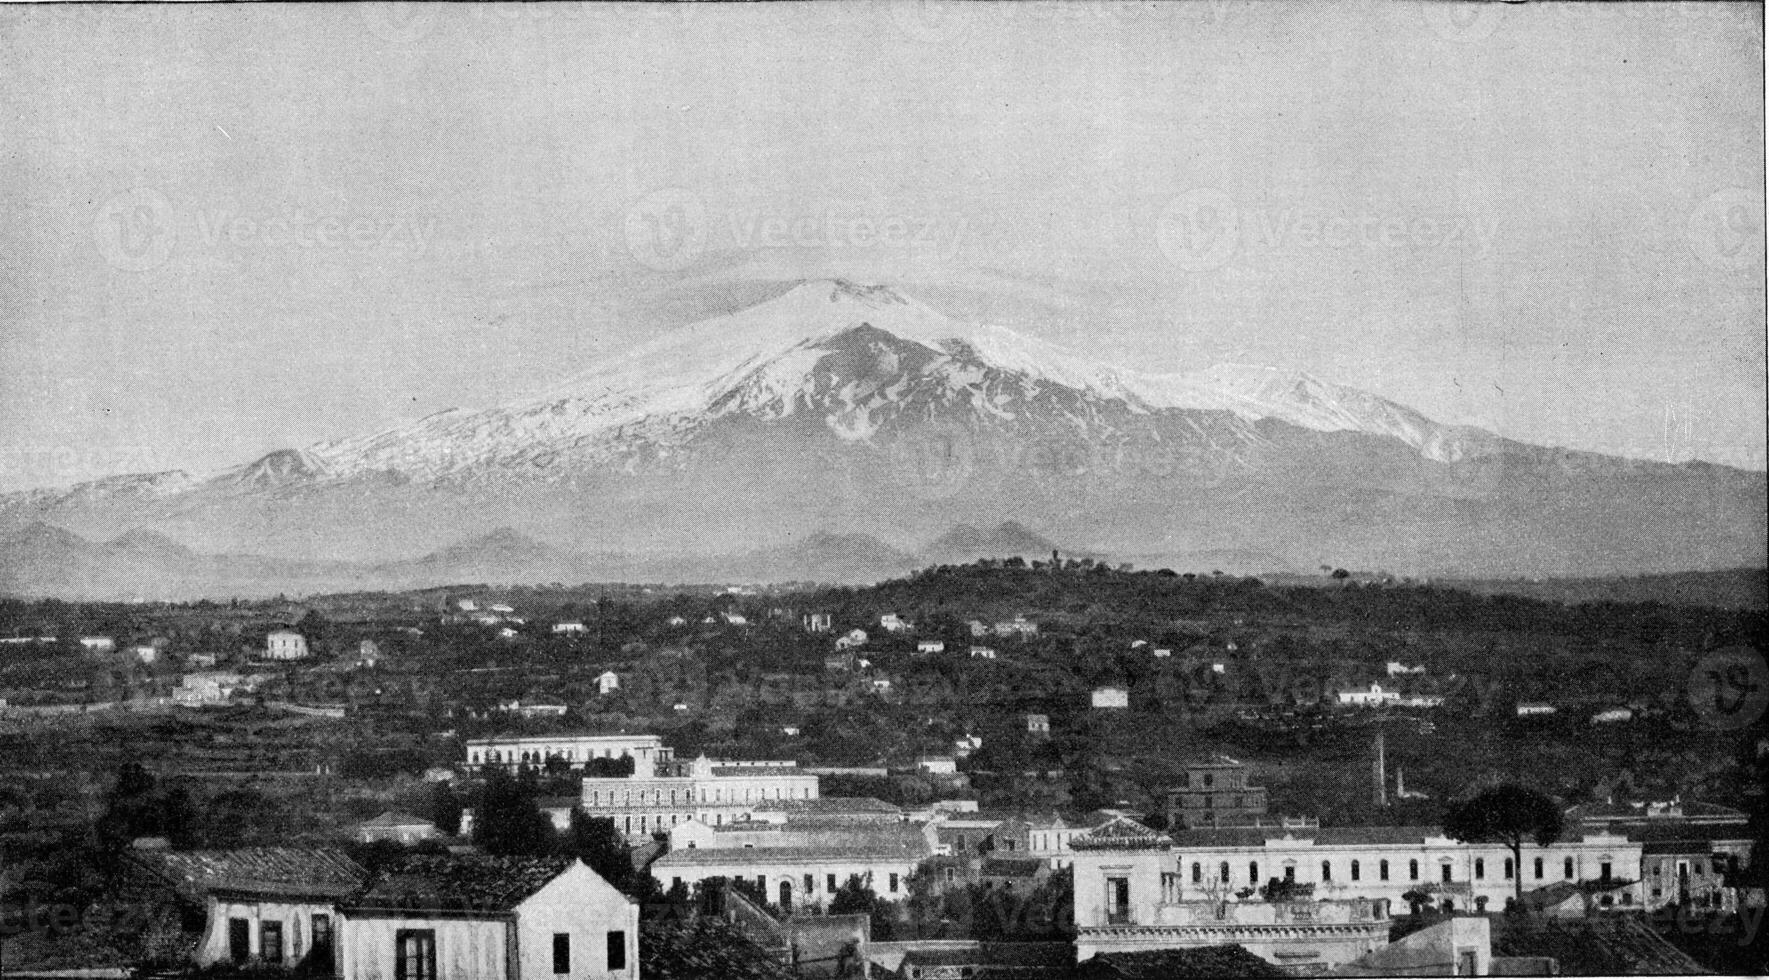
x,y
713,793
512,752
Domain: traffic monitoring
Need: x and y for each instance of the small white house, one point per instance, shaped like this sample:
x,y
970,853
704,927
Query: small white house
x,y
1375,697
433,917
572,628
1611,716
677,621
98,644
147,653
851,639
1162,653
1111,697
938,765
607,682
1038,724
816,622
285,645
1219,668
395,826
274,905
1526,709
930,646
894,623
499,607
983,653
466,605
734,619
1396,669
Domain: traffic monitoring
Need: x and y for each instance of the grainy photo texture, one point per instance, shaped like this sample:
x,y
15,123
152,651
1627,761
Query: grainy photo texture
x,y
1032,491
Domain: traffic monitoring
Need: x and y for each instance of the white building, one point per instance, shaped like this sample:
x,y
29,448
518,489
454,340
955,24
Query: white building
x,y
1375,697
98,644
514,752
571,628
607,682
894,623
1162,653
939,765
982,653
273,905
285,645
395,826
851,639
146,653
1611,716
1528,708
801,862
1396,669
207,687
713,792
1038,724
816,622
930,646
1111,697
734,619
489,919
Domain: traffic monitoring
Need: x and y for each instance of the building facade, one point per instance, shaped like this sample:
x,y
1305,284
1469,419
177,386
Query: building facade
x,y
285,645
647,751
711,792
1130,896
801,863
489,919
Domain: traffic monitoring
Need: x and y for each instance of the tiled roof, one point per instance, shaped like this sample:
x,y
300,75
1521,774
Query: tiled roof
x,y
458,883
1122,834
1178,964
1609,945
318,872
707,948
395,819
829,805
705,856
759,771
1012,867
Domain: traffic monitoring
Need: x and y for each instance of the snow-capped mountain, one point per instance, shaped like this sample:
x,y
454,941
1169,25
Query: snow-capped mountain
x,y
858,410
765,362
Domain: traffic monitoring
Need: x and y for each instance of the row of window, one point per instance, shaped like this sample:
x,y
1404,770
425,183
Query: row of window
x,y
414,953
539,756
677,797
271,940
893,885
1355,869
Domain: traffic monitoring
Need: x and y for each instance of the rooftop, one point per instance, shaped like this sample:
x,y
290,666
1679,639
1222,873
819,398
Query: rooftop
x,y
458,883
830,805
319,872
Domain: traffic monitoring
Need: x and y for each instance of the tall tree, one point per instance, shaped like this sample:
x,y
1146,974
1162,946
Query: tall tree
x,y
1508,815
509,821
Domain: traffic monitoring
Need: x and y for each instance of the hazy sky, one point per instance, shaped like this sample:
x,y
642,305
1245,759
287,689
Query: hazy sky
x,y
230,229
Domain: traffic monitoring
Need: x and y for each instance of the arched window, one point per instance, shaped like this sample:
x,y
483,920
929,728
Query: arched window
x,y
1326,871
1223,872
1197,873
1413,870
1355,869
1480,867
1382,869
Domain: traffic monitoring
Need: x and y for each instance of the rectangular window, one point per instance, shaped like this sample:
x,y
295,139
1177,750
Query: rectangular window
x,y
893,883
414,954
1538,869
1326,871
1117,901
810,884
1480,868
1382,869
1169,887
617,950
561,952
831,883
1568,867
322,942
1606,868
1290,873
270,942
239,940
1447,872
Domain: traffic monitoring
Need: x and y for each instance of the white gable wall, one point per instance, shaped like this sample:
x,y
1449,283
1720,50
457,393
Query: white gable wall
x,y
581,905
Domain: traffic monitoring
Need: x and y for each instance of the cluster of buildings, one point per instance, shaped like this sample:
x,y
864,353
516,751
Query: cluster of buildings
x,y
423,917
